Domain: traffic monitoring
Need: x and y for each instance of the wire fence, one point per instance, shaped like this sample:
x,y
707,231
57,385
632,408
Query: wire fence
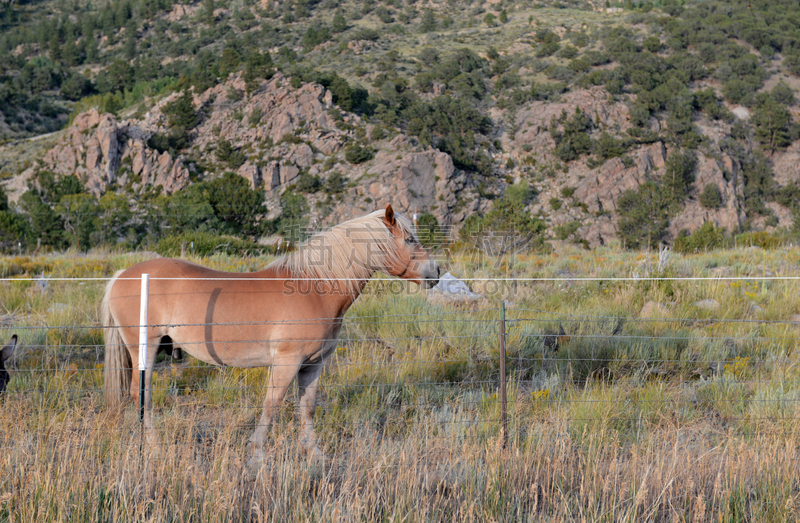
x,y
470,367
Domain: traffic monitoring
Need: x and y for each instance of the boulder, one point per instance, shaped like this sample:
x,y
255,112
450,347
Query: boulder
x,y
721,272
653,309
251,173
452,291
707,304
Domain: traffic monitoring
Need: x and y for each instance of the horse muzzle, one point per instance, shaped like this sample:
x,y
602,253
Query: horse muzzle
x,y
430,280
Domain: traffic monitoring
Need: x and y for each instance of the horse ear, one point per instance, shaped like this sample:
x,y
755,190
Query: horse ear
x,y
389,218
8,350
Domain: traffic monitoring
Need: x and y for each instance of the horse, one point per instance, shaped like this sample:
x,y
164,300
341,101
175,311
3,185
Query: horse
x,y
6,353
287,316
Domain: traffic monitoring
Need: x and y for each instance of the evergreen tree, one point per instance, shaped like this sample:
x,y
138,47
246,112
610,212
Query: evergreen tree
x,y
772,123
339,23
92,49
54,45
679,173
238,207
208,12
644,215
229,61
428,23
294,217
78,212
258,66
131,41
45,224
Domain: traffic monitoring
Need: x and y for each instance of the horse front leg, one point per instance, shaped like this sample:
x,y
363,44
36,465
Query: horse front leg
x,y
283,372
308,383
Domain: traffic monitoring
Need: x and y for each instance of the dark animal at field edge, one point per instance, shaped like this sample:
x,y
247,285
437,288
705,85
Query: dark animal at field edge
x,y
5,354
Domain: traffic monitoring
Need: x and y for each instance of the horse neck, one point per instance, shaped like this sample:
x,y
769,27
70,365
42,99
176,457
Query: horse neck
x,y
347,296
339,294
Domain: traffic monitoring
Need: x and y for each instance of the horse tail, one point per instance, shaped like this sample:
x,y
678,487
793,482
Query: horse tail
x,y
117,369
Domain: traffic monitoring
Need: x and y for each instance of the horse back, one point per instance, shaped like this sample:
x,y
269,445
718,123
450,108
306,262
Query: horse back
x,y
223,318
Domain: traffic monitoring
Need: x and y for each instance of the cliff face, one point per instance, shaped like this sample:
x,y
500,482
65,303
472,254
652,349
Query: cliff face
x,y
96,147
283,133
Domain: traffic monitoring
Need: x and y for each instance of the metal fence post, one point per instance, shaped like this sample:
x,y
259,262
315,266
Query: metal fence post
x,y
143,340
503,420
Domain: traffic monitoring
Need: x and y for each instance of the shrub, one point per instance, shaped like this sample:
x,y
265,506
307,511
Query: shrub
x,y
228,155
761,239
293,221
566,230
569,52
357,154
520,193
335,183
206,244
547,49
239,208
315,35
783,94
705,238
507,227
366,34
792,63
735,90
606,146
308,184
711,197
428,231
652,44
574,141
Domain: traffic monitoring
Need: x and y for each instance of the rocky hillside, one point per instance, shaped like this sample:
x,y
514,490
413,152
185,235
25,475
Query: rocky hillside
x,y
287,136
640,122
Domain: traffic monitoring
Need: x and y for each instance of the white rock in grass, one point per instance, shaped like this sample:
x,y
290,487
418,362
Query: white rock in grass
x,y
708,304
755,309
452,290
653,308
721,272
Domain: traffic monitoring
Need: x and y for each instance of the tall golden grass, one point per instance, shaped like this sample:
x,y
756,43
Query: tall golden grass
x,y
690,420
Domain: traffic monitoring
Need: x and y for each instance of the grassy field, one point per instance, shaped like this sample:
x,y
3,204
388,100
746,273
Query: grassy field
x,y
689,414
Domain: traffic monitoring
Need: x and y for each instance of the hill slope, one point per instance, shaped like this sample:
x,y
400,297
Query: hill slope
x,y
667,117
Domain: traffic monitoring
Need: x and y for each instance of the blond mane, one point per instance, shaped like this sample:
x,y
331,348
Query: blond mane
x,y
347,253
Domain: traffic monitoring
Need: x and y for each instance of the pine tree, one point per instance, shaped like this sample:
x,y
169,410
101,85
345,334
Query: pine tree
x,y
339,23
428,22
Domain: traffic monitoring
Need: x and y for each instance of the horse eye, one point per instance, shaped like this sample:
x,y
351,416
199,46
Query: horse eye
x,y
410,240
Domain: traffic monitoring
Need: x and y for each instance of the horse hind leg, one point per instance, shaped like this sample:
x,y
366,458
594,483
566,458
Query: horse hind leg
x,y
308,383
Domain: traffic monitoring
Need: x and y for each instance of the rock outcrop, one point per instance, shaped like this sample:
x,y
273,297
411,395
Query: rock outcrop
x,y
284,133
104,153
286,137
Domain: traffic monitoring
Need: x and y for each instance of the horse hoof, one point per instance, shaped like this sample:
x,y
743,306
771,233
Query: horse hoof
x,y
256,463
314,454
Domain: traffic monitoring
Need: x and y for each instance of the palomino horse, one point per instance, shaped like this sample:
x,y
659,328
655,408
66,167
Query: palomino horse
x,y
288,315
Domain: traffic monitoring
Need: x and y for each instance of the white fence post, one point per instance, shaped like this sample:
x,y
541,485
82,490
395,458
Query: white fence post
x,y
143,340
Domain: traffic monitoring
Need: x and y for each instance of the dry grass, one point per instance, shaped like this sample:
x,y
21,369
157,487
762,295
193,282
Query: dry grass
x,y
689,420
